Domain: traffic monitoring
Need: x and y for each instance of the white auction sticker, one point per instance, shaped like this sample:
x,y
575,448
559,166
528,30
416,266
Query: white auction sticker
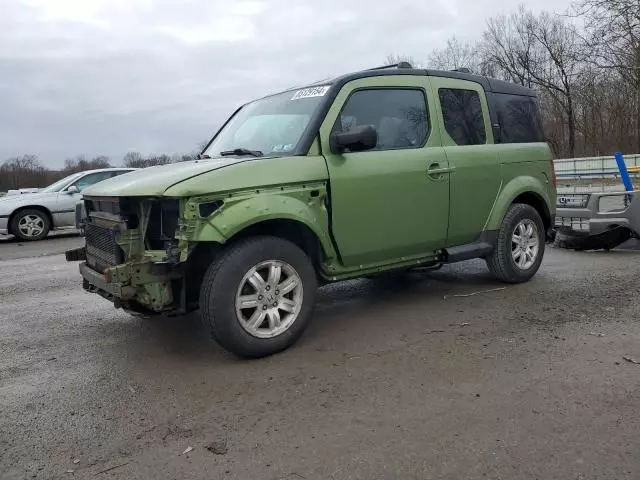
x,y
311,92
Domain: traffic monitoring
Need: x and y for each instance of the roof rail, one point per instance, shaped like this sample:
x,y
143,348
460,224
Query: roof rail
x,y
462,70
394,65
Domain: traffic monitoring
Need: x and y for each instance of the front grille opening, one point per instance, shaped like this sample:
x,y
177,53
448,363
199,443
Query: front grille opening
x,y
163,223
102,249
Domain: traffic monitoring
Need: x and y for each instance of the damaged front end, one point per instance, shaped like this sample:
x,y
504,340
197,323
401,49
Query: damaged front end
x,y
131,256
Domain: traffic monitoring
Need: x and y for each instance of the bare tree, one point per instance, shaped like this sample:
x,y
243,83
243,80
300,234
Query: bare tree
x,y
456,55
612,43
394,59
559,66
135,160
508,48
80,163
101,161
540,51
23,171
132,160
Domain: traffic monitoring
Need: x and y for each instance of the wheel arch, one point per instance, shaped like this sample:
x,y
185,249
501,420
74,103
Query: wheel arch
x,y
526,190
41,208
293,230
536,201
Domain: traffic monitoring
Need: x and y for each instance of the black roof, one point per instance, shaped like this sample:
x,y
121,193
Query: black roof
x,y
489,84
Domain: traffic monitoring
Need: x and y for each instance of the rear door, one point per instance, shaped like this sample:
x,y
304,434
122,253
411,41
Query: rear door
x,y
393,201
473,158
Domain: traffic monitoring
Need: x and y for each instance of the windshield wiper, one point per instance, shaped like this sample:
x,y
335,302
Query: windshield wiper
x,y
242,151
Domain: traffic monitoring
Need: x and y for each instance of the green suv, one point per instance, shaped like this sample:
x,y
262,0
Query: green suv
x,y
387,169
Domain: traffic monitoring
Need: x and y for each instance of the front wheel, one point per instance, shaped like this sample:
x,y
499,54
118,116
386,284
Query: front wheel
x,y
520,245
258,296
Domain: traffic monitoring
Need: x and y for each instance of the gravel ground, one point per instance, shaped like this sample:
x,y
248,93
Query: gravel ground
x,y
398,380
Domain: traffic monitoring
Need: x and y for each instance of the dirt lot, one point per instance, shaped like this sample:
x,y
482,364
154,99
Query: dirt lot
x,y
400,381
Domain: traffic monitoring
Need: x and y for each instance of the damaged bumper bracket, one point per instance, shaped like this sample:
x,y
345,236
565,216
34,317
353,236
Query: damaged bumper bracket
x,y
96,282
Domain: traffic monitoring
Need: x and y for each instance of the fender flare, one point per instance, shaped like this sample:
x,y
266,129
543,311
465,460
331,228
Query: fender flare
x,y
510,192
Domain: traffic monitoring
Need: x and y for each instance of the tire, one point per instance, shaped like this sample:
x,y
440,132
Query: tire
x,y
241,331
570,239
580,240
502,263
36,221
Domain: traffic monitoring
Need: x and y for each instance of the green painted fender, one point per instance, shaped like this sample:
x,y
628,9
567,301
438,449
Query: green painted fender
x,y
246,212
515,188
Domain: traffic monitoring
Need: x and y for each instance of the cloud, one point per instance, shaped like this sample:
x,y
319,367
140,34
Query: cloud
x,y
109,76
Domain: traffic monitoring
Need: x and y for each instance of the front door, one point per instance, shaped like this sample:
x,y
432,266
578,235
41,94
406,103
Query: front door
x,y
392,201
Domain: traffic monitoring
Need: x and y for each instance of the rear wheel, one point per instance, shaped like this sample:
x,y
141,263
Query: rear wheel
x,y
258,296
30,224
520,245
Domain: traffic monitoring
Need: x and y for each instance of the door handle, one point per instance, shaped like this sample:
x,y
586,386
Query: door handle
x,y
435,171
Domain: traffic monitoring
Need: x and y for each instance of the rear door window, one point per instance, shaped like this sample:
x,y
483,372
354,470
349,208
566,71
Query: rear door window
x,y
462,115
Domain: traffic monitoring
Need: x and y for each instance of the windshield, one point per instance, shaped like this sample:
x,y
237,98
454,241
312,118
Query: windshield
x,y
57,186
272,125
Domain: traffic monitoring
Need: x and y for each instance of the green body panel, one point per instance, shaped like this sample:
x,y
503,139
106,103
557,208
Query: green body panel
x,y
302,203
384,204
524,168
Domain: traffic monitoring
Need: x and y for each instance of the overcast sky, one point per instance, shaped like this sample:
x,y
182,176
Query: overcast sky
x,y
103,77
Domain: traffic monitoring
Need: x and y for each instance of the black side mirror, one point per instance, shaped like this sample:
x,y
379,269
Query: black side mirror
x,y
359,138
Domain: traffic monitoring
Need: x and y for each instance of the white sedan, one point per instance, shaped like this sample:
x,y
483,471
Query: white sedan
x,y
30,216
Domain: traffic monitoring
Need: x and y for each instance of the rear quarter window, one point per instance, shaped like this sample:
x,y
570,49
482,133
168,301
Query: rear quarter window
x,y
518,119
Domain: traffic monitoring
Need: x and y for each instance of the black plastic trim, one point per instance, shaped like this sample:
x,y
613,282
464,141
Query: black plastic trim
x,y
478,249
509,88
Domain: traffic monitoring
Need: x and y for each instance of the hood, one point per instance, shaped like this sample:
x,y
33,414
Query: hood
x,y
154,181
203,177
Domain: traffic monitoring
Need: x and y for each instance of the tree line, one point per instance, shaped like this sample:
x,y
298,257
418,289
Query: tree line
x,y
583,63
